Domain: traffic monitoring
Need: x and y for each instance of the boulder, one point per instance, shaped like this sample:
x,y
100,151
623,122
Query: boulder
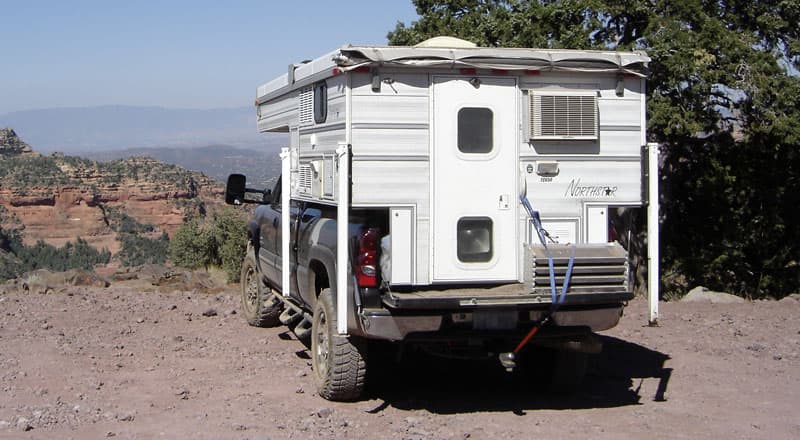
x,y
79,277
791,299
46,281
701,294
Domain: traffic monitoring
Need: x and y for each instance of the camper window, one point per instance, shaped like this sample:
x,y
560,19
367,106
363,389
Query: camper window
x,y
320,102
474,239
475,130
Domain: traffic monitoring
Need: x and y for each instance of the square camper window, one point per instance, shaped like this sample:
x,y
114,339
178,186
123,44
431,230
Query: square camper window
x,y
475,130
474,239
320,102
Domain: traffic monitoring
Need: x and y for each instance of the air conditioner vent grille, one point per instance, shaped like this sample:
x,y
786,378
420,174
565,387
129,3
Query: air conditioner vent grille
x,y
562,116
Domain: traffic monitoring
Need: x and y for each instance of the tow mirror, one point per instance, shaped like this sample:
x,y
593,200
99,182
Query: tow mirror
x,y
235,188
236,191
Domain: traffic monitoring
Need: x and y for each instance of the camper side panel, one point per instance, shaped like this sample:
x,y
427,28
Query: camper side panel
x,y
586,176
278,114
390,143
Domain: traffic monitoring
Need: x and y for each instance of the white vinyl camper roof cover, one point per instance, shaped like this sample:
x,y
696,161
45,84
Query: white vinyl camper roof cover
x,y
430,54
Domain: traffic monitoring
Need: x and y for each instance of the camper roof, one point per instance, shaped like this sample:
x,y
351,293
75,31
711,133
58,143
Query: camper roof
x,y
351,57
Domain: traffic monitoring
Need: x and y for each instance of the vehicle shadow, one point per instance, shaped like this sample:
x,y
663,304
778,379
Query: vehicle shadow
x,y
444,386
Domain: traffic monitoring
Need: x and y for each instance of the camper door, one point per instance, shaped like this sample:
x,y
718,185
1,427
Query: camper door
x,y
475,129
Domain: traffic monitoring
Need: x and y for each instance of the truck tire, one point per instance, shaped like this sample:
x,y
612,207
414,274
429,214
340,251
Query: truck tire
x,y
339,362
261,307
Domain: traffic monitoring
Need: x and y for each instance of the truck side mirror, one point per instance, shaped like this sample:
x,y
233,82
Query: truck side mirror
x,y
235,189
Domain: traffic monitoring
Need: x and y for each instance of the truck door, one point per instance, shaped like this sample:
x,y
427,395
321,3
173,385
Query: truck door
x,y
474,152
270,237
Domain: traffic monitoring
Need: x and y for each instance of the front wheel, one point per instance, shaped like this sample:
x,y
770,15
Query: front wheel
x,y
261,307
339,362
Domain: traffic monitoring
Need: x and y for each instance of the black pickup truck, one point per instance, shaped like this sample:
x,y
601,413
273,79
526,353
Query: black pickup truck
x,y
449,320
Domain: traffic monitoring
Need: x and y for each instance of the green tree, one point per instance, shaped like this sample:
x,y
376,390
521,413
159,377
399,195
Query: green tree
x,y
722,102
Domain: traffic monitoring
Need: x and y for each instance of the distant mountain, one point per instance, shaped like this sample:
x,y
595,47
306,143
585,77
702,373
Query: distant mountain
x,y
261,166
74,129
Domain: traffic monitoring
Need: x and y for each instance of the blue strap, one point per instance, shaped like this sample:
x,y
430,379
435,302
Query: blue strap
x,y
567,277
537,222
556,299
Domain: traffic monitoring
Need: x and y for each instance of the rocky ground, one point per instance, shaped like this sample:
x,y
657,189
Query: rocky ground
x,y
141,361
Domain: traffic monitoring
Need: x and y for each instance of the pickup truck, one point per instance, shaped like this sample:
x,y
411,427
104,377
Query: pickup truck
x,y
447,320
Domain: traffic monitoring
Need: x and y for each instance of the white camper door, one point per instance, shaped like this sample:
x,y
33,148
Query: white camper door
x,y
475,179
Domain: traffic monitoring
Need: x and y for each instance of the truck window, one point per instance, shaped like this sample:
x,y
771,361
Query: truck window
x,y
276,195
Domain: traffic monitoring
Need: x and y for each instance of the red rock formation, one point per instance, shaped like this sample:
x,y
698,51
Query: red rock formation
x,y
146,190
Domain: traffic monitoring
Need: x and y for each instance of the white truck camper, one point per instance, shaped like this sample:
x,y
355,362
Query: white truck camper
x,y
496,171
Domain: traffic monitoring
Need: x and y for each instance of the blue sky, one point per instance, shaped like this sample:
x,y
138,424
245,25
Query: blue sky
x,y
185,54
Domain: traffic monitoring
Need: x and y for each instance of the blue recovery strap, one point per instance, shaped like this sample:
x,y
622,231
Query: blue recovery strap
x,y
556,299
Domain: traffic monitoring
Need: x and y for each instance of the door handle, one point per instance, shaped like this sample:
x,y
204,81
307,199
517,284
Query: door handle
x,y
503,202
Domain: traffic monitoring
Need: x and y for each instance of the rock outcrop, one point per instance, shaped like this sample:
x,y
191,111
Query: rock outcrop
x,y
12,145
58,198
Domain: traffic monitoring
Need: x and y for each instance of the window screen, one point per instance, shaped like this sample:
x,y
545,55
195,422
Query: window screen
x,y
320,102
475,130
474,239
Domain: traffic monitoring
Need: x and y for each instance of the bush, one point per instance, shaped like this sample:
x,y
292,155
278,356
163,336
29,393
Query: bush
x,y
137,250
121,222
220,241
191,246
230,239
18,258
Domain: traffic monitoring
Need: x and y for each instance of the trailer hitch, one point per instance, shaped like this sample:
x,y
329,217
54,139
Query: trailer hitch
x,y
508,359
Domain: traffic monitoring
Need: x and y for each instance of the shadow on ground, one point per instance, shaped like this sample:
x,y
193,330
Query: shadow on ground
x,y
443,386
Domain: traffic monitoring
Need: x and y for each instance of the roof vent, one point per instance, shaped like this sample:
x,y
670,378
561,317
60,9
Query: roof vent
x,y
449,42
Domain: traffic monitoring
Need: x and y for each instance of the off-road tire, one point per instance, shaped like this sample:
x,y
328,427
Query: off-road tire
x,y
259,305
339,362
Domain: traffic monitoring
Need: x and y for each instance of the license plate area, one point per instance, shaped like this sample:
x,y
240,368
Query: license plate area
x,y
495,319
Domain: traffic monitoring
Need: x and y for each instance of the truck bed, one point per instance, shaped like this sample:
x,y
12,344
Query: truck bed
x,y
599,276
505,295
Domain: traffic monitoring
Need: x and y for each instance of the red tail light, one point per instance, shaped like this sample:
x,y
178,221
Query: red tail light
x,y
367,258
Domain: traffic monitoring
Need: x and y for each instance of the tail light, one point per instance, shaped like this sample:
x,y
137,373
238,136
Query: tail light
x,y
367,258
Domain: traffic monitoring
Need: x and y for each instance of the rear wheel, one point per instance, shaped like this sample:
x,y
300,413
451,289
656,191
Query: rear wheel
x,y
260,305
339,361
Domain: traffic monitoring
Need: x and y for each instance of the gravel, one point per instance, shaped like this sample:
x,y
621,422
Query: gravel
x,y
131,363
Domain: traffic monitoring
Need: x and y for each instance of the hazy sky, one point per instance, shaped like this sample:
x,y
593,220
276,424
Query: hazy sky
x,y
188,54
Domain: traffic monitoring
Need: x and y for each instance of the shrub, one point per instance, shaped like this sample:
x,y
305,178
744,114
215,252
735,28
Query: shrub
x,y
191,246
137,249
220,241
18,258
230,239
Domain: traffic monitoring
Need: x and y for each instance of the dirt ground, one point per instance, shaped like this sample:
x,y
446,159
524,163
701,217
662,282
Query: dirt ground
x,y
129,363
